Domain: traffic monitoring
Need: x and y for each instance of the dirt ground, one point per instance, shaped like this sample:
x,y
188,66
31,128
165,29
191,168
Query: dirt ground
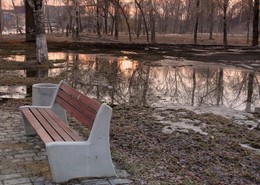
x,y
154,157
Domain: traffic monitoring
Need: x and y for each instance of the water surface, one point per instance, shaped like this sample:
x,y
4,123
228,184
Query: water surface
x,y
120,80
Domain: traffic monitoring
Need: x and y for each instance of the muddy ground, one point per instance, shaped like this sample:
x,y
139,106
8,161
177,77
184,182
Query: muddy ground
x,y
137,141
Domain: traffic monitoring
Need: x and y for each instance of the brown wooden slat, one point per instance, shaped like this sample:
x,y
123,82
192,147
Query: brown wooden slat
x,y
83,119
62,134
82,108
46,124
36,125
84,99
58,124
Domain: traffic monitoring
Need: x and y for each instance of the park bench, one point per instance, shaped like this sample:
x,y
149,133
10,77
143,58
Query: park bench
x,y
69,155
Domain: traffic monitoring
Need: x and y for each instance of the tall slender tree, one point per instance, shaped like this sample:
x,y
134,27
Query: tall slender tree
x,y
116,5
98,18
0,17
249,4
152,20
140,7
255,23
225,7
195,38
211,19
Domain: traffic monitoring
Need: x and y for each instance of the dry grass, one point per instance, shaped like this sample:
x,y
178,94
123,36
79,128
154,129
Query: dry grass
x,y
203,39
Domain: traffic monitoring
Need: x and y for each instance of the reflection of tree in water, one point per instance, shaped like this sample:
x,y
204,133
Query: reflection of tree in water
x,y
139,84
94,76
209,86
165,83
245,88
205,86
36,72
106,79
250,89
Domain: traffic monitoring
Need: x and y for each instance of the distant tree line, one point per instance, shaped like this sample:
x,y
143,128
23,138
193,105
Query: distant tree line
x,y
149,17
143,17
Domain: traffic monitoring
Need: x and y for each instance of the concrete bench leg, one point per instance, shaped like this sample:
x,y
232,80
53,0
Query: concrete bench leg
x,y
70,160
29,130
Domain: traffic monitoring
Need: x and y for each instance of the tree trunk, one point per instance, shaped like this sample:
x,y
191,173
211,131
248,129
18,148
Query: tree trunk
x,y
248,20
211,20
195,38
145,23
255,23
225,6
187,22
77,21
16,18
30,23
1,18
77,24
48,18
106,17
116,20
41,41
152,22
139,25
126,20
176,18
98,23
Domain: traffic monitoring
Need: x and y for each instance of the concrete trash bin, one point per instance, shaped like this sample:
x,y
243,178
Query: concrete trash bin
x,y
42,93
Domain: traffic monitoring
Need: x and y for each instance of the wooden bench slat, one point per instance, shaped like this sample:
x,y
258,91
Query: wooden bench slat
x,y
59,124
78,106
58,129
84,120
46,124
36,125
84,99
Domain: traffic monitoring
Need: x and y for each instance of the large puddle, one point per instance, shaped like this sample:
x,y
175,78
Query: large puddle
x,y
120,80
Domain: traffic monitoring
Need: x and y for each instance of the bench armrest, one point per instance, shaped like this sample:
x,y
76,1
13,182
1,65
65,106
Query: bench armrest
x,y
35,106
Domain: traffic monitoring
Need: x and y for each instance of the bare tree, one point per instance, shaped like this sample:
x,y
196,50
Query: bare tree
x,y
152,20
223,4
255,23
106,13
1,18
116,5
119,6
178,15
18,29
41,41
139,5
211,18
225,7
196,22
48,17
138,21
98,18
